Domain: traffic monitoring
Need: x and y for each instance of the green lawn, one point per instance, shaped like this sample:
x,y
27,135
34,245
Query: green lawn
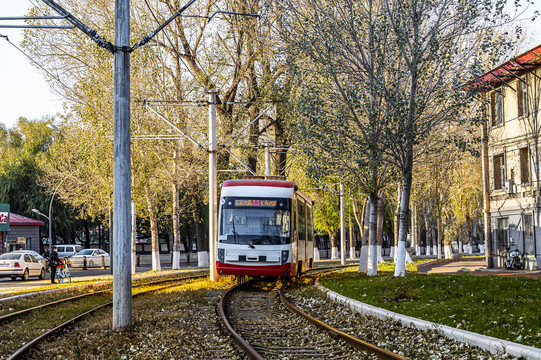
x,y
504,307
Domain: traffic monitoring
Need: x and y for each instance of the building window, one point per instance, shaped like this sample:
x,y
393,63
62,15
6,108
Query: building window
x,y
499,172
502,235
522,98
496,108
528,234
524,166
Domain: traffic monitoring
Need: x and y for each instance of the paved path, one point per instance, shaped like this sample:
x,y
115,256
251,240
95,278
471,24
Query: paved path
x,y
473,267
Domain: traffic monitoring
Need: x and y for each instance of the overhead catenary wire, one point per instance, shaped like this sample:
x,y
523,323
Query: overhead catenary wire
x,y
56,78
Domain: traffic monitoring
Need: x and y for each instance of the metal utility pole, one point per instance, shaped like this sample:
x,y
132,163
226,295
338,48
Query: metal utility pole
x,y
342,225
122,299
213,187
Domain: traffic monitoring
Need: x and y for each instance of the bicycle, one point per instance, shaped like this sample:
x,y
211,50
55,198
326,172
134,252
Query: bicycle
x,y
63,271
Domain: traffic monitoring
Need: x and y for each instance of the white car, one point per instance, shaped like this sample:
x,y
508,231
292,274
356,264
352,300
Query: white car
x,y
94,257
31,252
20,265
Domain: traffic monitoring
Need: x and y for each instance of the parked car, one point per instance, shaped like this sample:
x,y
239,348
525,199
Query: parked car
x,y
68,250
20,265
94,257
31,252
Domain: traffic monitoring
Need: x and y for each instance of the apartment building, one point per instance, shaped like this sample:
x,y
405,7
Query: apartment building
x,y
512,158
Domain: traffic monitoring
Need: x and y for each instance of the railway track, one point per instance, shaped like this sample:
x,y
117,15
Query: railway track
x,y
266,326
88,303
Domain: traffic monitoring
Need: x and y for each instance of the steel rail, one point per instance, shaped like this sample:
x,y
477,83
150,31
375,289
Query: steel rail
x,y
37,307
29,345
243,344
351,340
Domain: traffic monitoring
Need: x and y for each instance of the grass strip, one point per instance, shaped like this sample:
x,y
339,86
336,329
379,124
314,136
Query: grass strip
x,y
502,307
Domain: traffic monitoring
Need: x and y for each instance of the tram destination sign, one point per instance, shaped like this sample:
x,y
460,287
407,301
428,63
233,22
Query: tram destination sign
x,y
4,217
255,202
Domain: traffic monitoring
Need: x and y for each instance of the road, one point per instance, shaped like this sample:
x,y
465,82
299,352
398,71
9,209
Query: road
x,y
77,275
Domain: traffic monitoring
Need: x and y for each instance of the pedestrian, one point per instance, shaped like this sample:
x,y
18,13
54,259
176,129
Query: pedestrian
x,y
46,254
54,261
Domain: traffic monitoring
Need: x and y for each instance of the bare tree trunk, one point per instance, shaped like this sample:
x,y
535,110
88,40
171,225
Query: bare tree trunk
x,y
351,240
400,269
156,265
379,235
335,240
176,223
363,226
415,232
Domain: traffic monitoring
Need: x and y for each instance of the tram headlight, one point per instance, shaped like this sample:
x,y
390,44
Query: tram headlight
x,y
221,255
285,256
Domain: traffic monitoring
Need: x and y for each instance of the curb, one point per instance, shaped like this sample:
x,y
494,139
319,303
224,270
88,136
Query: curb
x,y
492,344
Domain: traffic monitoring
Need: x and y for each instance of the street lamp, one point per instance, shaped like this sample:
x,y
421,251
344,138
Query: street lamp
x,y
50,225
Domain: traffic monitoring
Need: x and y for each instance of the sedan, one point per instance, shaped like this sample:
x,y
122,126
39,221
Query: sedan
x,y
31,252
20,265
94,257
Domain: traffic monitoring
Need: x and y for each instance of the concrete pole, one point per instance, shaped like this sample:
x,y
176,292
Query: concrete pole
x,y
267,161
342,225
213,187
122,296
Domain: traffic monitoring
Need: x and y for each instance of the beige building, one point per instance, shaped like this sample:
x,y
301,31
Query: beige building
x,y
512,157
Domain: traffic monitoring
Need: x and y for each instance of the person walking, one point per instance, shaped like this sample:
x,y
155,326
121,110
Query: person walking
x,y
54,261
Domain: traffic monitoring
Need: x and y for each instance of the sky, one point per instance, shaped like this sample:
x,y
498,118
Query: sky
x,y
24,92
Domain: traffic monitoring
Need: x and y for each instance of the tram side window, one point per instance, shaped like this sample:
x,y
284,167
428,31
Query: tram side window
x,y
302,219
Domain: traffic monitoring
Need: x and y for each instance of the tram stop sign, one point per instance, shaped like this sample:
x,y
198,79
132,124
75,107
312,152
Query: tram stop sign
x,y
4,217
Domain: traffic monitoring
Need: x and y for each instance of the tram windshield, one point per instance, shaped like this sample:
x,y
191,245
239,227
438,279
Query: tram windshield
x,y
253,221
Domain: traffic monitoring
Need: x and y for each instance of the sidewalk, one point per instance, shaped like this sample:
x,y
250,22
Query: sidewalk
x,y
471,266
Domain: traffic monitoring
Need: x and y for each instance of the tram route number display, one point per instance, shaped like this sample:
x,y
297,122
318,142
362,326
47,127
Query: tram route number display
x,y
255,202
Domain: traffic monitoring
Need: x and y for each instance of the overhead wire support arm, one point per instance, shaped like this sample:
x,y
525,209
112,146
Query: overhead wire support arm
x,y
246,127
231,13
149,37
175,127
240,161
81,26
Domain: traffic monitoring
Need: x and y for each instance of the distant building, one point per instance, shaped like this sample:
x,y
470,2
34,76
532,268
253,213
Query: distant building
x,y
21,233
511,157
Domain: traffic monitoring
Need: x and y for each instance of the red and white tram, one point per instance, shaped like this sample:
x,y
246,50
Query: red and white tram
x,y
265,228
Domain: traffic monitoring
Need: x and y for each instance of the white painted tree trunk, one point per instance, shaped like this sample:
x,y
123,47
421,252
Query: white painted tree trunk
x,y
203,258
372,237
372,269
176,260
379,251
156,263
448,251
335,254
408,257
393,253
316,252
417,250
435,250
363,259
400,269
460,251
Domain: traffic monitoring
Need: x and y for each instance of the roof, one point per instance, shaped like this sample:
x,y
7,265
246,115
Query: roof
x,y
268,183
15,220
508,71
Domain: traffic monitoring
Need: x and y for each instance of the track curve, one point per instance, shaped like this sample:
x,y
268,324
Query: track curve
x,y
263,328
